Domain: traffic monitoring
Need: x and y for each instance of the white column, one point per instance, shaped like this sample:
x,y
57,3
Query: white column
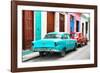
x,y
56,28
85,28
43,24
81,24
83,21
88,31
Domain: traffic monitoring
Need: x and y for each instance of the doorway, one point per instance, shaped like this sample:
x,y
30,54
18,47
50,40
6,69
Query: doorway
x,y
61,22
27,29
86,27
83,28
77,26
50,21
71,23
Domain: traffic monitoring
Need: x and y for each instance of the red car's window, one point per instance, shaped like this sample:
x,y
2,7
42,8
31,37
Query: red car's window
x,y
73,35
80,35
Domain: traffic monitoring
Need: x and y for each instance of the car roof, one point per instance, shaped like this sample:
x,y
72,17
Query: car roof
x,y
57,33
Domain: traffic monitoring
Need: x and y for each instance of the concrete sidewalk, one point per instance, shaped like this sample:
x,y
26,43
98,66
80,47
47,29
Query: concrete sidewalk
x,y
28,54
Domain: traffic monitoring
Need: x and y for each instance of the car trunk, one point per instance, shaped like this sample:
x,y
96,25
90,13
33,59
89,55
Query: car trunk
x,y
44,44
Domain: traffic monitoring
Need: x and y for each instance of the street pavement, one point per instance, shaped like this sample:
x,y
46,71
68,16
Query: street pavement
x,y
82,53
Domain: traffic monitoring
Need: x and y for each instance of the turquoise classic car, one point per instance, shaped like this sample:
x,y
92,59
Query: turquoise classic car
x,y
54,42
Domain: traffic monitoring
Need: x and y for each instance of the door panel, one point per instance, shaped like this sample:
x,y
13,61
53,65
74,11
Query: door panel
x,y
68,44
50,21
28,28
86,27
71,23
77,26
61,22
83,28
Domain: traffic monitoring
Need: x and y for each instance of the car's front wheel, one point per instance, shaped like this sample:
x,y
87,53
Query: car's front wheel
x,y
75,47
85,43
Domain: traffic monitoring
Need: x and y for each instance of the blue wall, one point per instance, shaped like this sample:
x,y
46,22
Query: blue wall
x,y
72,25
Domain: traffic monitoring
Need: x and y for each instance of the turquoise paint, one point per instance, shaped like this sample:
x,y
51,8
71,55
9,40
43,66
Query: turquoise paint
x,y
53,44
37,25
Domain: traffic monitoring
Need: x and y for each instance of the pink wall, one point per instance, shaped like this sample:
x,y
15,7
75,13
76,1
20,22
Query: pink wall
x,y
76,17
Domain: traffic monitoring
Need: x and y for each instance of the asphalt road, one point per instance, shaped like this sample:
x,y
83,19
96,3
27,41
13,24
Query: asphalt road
x,y
80,54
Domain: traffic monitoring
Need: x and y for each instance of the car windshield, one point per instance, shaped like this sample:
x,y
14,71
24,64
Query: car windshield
x,y
56,36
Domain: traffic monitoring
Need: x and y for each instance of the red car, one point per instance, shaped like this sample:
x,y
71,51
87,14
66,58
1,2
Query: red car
x,y
81,39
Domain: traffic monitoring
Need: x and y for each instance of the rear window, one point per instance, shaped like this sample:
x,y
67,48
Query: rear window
x,y
52,36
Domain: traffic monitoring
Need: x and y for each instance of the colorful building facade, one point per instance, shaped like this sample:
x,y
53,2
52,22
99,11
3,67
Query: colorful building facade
x,y
85,25
43,22
73,22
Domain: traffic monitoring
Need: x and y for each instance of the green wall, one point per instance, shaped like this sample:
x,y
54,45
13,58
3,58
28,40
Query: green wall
x,y
37,25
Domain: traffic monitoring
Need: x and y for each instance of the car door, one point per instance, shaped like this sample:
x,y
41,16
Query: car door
x,y
68,42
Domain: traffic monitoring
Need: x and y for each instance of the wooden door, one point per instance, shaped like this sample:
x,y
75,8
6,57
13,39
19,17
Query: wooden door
x,y
83,28
61,22
50,21
77,26
28,28
86,27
